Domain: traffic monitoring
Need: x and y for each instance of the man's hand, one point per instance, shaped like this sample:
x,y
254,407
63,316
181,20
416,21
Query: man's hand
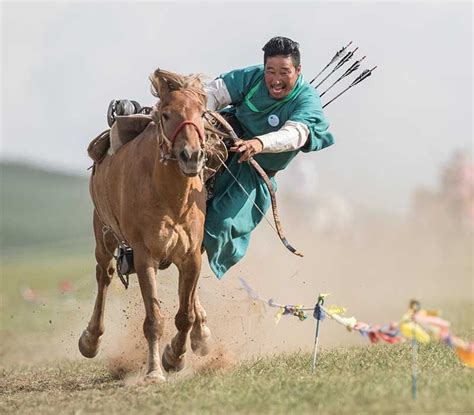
x,y
247,148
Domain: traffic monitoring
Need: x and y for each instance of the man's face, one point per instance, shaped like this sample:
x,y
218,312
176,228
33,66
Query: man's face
x,y
280,76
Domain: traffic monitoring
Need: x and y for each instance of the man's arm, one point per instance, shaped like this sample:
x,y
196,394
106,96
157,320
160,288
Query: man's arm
x,y
309,112
217,95
292,136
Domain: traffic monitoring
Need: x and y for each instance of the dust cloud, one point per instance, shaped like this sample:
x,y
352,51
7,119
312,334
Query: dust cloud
x,y
372,265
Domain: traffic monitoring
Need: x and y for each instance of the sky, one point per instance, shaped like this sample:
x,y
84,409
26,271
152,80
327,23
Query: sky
x,y
62,62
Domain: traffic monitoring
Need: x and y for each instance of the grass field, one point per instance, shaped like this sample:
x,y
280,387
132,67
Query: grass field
x,y
42,208
353,379
40,367
348,380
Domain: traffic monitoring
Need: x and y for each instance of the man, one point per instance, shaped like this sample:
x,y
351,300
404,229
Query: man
x,y
277,114
280,115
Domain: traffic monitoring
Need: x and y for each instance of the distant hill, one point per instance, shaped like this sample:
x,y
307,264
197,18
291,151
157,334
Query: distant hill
x,y
40,207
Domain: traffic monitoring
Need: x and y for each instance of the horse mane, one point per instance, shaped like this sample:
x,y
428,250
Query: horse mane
x,y
163,82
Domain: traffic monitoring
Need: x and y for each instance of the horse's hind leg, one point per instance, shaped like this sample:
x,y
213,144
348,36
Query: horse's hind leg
x,y
90,338
189,269
200,333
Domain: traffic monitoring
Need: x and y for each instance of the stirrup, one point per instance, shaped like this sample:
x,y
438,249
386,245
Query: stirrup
x,y
125,265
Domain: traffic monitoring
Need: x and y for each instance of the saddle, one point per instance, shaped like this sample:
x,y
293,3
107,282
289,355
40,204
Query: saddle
x,y
127,128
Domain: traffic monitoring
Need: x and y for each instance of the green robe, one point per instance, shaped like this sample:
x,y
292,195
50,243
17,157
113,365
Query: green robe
x,y
231,215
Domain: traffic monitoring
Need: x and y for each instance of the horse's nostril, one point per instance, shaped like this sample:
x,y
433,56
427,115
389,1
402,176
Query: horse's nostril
x,y
185,155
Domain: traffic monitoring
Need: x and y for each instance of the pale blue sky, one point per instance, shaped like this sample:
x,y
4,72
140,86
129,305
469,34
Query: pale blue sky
x,y
63,62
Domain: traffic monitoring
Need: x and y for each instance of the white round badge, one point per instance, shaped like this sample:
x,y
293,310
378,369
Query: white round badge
x,y
273,120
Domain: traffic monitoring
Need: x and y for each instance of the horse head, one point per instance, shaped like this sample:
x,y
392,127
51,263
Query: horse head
x,y
178,115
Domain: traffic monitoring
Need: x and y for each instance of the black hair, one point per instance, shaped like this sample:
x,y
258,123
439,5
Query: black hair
x,y
282,46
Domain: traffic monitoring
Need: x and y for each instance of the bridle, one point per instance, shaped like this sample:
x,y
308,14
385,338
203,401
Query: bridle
x,y
166,143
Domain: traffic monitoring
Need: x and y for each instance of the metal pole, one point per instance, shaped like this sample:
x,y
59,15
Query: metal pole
x,y
415,307
318,313
315,349
414,349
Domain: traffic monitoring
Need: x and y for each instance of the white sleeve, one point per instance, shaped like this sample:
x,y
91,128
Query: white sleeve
x,y
217,94
290,137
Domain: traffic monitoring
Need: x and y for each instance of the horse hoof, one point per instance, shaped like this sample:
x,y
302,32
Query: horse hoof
x,y
169,362
201,348
153,377
88,344
200,344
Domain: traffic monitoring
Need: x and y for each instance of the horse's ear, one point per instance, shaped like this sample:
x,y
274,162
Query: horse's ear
x,y
196,81
159,85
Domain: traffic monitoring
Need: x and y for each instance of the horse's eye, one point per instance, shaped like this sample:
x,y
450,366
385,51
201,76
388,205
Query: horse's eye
x,y
165,116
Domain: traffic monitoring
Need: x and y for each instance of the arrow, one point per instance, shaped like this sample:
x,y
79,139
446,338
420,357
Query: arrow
x,y
344,59
365,74
334,59
353,68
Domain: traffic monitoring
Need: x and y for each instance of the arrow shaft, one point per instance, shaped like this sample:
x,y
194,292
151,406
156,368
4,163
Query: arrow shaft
x,y
344,60
326,77
334,83
337,96
352,68
334,59
316,77
354,83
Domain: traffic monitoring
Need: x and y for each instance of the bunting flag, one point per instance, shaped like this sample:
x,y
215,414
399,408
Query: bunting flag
x,y
294,310
421,325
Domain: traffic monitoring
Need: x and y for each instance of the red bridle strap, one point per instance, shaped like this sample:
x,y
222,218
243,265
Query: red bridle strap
x,y
181,126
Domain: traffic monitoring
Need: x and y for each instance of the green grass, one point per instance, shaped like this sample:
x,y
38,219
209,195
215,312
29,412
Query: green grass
x,y
43,274
40,207
46,239
373,379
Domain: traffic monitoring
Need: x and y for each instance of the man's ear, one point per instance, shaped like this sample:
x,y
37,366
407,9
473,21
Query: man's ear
x,y
298,69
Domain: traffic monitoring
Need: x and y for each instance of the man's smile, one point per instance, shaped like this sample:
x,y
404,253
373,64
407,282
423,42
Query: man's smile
x,y
277,89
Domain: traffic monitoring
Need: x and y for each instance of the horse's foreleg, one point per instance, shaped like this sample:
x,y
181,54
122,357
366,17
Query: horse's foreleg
x,y
90,338
200,333
189,269
153,325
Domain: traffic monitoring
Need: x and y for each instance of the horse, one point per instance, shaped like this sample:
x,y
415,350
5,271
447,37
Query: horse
x,y
151,195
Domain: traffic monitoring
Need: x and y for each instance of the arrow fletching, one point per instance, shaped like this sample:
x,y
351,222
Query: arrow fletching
x,y
345,59
339,53
365,74
334,59
353,67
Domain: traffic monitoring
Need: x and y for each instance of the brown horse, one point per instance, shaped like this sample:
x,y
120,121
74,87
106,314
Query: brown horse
x,y
151,195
